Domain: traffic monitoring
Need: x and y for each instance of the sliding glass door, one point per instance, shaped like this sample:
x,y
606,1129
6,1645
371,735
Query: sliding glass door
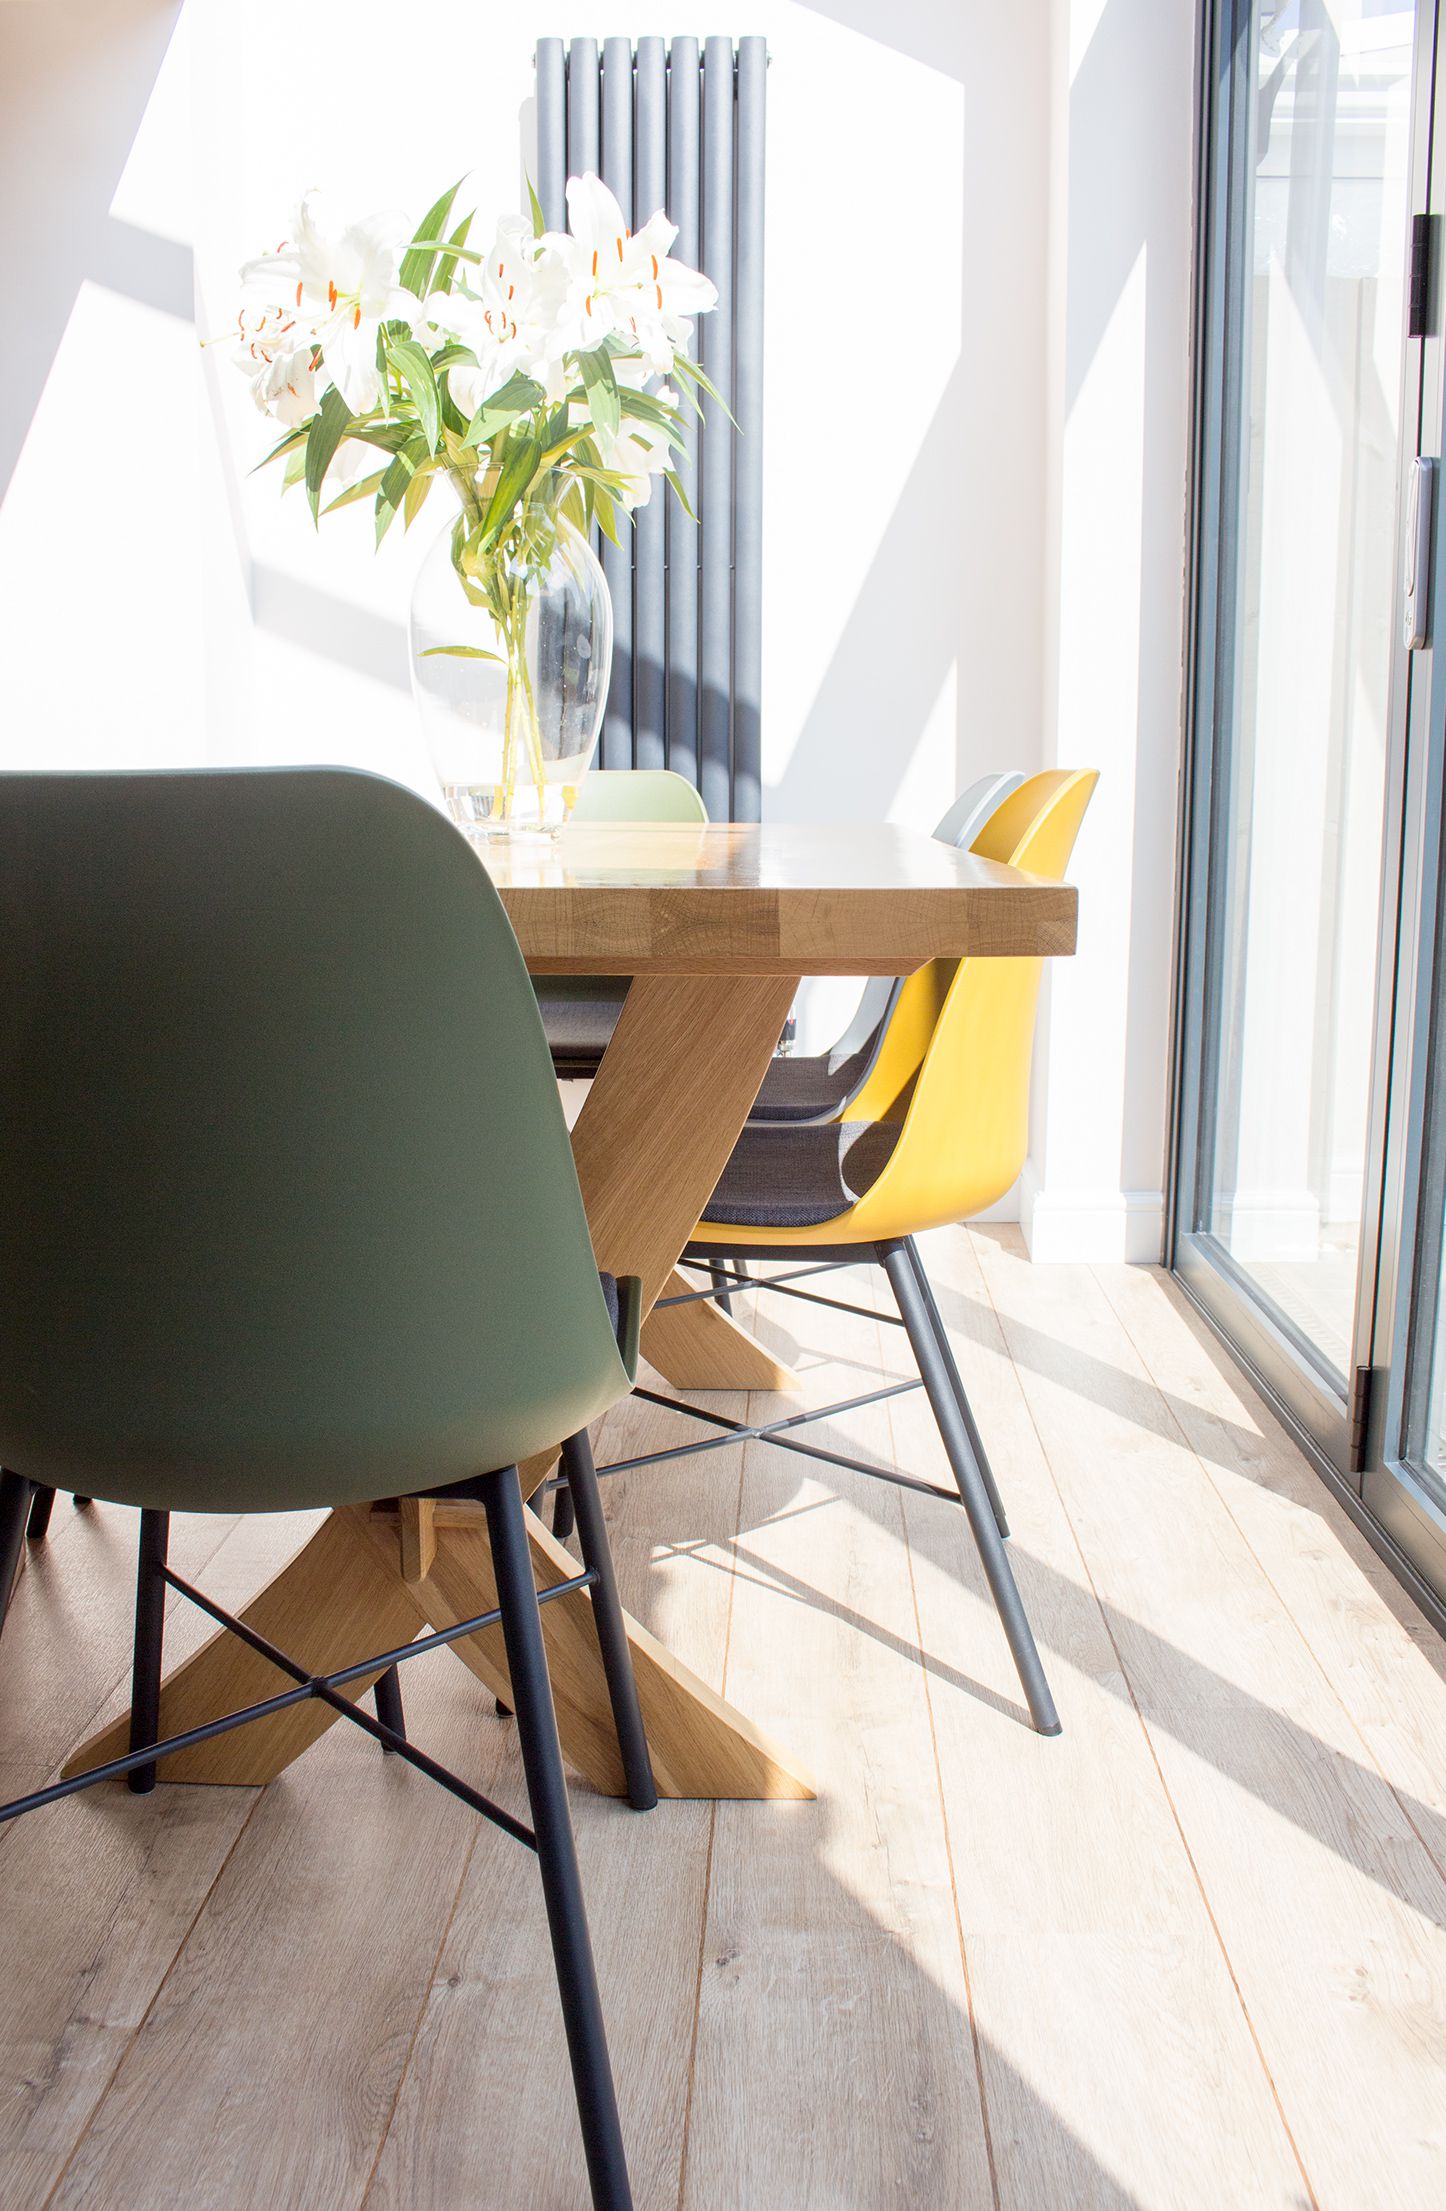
x,y
1311,677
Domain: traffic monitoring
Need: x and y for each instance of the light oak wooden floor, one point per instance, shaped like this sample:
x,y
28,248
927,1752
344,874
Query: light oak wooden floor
x,y
1188,1955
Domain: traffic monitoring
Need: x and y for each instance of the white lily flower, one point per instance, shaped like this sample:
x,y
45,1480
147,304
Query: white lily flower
x,y
623,284
639,454
288,389
340,281
510,321
280,357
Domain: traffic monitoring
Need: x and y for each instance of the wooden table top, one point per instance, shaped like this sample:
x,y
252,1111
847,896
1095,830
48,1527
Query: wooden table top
x,y
752,898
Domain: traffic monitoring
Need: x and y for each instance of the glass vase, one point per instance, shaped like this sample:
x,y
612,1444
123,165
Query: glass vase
x,y
510,673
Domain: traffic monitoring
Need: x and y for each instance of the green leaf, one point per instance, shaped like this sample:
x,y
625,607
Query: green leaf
x,y
518,396
539,220
292,439
348,498
329,426
515,477
415,370
677,483
601,387
390,437
393,488
449,245
606,512
609,478
414,498
574,507
647,407
691,369
554,455
415,274
460,652
447,266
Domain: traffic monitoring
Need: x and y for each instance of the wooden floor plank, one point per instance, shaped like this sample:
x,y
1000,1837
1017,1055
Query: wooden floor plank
x,y
835,2061
1379,1653
68,1632
109,1883
1249,1791
1329,1907
490,2048
267,2068
1092,1958
99,1894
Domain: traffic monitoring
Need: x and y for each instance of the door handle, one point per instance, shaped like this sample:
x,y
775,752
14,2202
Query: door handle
x,y
1420,501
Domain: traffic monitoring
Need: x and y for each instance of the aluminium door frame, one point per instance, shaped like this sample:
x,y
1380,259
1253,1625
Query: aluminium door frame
x,y
1406,1500
1311,1401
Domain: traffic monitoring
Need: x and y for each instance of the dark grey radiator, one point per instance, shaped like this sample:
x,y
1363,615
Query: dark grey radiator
x,y
679,126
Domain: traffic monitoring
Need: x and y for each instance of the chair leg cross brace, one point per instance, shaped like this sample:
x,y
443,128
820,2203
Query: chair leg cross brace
x,y
140,1763
772,1431
782,1284
977,1491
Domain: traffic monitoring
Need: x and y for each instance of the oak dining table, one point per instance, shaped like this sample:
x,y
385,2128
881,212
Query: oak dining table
x,y
715,926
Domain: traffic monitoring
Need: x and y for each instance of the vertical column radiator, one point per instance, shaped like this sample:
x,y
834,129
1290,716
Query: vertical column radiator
x,y
681,126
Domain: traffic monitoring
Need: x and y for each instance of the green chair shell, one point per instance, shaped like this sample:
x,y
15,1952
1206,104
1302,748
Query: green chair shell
x,y
288,1211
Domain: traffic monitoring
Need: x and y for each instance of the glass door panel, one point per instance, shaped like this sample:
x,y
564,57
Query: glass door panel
x,y
1298,844
1316,166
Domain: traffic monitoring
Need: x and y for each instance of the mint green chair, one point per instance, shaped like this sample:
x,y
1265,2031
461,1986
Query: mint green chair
x,y
637,794
580,1012
289,1218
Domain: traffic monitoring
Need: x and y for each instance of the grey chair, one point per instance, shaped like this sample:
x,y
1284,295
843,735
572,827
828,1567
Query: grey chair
x,y
289,1218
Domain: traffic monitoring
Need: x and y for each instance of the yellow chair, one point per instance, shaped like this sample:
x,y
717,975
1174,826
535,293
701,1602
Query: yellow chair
x,y
921,995
825,1086
951,1142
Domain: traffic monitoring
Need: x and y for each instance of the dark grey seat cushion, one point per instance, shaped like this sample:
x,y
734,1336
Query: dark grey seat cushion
x,y
813,1088
579,1014
797,1177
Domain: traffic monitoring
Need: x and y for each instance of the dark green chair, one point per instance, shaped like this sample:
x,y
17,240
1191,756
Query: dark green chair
x,y
289,1218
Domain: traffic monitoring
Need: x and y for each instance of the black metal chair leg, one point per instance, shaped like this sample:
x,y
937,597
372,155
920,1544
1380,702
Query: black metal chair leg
x,y
387,1697
721,1289
564,1511
956,1380
82,1504
556,1852
607,1614
150,1626
40,1509
972,1492
15,1497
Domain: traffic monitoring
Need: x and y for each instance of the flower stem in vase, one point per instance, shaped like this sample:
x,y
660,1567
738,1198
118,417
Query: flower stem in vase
x,y
531,724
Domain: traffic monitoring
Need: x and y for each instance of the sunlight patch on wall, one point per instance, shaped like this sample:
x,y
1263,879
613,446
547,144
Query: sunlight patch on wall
x,y
155,191
98,538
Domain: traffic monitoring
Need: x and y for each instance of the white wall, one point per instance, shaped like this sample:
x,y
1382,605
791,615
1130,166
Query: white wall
x,y
1122,153
977,282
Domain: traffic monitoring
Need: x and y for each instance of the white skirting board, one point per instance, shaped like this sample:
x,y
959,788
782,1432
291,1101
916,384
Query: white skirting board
x,y
1073,1227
